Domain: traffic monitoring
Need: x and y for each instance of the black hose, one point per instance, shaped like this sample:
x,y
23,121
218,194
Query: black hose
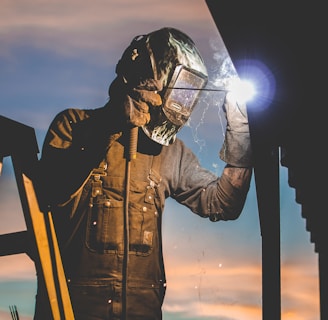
x,y
133,142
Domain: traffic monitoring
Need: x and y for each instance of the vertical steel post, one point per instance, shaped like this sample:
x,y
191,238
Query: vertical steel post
x,y
266,172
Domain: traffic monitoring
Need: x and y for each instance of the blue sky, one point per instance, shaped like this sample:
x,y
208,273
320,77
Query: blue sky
x,y
60,54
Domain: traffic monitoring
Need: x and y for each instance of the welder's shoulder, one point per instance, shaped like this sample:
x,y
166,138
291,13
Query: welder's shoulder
x,y
73,115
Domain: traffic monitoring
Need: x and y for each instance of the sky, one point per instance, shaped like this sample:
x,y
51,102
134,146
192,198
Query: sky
x,y
57,54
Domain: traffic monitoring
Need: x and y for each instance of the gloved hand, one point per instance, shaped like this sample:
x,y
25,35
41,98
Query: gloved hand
x,y
236,149
139,99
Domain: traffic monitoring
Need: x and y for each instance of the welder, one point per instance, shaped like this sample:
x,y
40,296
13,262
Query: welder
x,y
105,174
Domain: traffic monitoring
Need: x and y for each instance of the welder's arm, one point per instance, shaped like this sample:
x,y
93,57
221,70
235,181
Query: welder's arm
x,y
236,149
232,190
203,192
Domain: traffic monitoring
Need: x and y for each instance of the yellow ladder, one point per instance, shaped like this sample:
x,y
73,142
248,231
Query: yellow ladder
x,y
19,142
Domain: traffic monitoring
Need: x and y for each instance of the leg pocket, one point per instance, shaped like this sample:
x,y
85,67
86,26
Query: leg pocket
x,y
145,301
92,300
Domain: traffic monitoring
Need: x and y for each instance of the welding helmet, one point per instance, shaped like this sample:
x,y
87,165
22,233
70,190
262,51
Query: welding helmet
x,y
171,57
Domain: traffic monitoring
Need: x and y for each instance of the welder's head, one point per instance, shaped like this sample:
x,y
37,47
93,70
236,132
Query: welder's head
x,y
170,56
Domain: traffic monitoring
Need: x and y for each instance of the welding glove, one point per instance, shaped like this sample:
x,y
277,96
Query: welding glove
x,y
236,149
138,101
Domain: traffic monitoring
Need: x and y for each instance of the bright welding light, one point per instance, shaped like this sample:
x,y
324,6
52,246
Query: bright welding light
x,y
258,91
262,78
242,90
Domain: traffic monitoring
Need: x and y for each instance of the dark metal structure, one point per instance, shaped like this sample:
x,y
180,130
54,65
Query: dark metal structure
x,y
288,37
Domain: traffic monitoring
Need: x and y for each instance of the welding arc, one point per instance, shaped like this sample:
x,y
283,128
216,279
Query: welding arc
x,y
197,89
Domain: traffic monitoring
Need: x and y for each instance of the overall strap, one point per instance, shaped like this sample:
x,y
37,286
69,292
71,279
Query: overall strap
x,y
154,179
154,172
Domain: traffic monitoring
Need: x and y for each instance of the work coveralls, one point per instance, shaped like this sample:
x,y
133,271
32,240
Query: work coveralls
x,y
90,226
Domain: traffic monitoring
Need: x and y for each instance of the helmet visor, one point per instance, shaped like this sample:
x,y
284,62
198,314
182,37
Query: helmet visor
x,y
179,99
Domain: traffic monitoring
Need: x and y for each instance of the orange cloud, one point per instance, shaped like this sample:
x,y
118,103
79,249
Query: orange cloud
x,y
235,291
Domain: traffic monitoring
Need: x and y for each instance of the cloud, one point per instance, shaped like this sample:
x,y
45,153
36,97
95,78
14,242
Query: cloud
x,y
93,26
234,292
16,267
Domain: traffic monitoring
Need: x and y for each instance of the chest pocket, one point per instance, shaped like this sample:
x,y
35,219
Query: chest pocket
x,y
105,221
144,216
